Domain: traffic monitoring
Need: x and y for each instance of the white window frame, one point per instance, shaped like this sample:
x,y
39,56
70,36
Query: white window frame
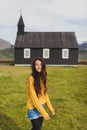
x,y
65,53
27,51
46,53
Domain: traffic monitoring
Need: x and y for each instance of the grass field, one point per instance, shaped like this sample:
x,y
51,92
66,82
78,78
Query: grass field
x,y
67,91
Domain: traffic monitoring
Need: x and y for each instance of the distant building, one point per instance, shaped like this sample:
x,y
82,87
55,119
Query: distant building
x,y
56,48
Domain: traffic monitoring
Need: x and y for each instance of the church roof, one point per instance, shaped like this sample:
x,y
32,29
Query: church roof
x,y
46,40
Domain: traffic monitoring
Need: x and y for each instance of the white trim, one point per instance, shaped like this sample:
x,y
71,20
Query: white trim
x,y
27,53
46,65
65,53
61,65
46,53
22,65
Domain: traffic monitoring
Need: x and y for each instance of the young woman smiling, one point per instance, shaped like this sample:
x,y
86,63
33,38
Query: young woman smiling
x,y
38,95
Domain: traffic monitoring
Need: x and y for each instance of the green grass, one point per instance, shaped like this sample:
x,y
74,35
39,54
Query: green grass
x,y
67,91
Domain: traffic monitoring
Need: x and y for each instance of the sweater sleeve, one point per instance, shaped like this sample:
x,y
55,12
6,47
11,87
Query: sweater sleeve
x,y
48,103
35,99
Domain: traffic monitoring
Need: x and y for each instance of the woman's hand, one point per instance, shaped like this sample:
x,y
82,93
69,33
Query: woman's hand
x,y
53,113
47,118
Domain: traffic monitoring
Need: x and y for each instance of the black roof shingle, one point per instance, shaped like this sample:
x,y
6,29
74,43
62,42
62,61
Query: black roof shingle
x,y
46,40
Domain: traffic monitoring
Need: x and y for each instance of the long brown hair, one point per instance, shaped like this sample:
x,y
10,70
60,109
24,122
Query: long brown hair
x,y
39,75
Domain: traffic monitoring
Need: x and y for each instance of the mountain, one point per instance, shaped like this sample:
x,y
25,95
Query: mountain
x,y
4,44
6,50
83,51
83,46
7,54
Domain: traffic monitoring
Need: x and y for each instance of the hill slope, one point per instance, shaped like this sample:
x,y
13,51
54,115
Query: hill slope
x,y
7,54
83,51
4,44
6,50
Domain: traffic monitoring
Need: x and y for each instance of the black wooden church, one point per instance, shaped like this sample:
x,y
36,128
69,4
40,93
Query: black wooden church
x,y
56,48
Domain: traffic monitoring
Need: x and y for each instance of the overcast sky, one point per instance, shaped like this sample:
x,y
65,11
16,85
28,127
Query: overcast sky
x,y
44,15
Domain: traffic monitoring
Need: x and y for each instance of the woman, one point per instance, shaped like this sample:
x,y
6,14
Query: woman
x,y
37,95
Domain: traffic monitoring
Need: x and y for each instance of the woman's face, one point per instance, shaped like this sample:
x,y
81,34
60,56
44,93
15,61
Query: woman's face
x,y
38,65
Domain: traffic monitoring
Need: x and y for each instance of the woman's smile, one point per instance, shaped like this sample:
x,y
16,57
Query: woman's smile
x,y
38,65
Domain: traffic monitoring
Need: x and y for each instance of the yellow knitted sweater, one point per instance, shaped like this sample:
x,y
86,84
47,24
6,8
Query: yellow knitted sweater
x,y
35,101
